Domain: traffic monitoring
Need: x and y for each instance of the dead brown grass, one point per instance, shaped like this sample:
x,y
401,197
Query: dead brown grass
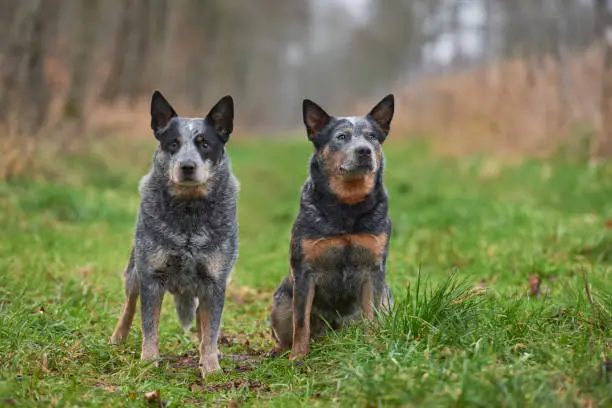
x,y
513,107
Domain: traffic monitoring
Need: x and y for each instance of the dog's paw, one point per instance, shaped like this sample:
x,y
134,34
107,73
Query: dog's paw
x,y
149,353
209,365
299,351
116,339
297,356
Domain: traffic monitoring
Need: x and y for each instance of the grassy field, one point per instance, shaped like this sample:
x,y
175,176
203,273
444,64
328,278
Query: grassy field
x,y
467,329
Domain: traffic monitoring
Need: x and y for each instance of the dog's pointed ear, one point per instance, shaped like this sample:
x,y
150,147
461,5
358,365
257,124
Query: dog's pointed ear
x,y
315,118
382,113
221,116
161,111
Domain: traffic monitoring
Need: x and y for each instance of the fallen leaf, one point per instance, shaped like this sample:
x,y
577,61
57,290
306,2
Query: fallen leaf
x,y
608,223
534,285
44,365
105,387
76,344
154,397
40,310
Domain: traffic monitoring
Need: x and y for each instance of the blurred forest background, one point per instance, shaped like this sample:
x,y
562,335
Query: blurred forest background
x,y
516,76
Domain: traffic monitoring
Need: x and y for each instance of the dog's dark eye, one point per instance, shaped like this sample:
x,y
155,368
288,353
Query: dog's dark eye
x,y
174,145
372,135
201,142
341,136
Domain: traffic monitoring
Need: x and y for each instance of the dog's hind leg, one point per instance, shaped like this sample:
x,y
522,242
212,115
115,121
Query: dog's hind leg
x,y
131,284
185,306
281,317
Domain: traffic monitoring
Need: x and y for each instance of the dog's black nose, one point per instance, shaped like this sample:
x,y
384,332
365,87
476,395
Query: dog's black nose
x,y
188,167
364,151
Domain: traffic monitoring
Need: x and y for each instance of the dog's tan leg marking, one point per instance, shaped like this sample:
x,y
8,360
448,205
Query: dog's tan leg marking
x,y
209,353
367,300
125,320
150,345
301,332
198,325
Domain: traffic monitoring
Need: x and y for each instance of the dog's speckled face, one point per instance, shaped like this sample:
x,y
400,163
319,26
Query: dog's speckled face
x,y
349,147
190,148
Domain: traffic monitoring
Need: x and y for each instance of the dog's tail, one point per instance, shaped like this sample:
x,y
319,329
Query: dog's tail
x,y
185,309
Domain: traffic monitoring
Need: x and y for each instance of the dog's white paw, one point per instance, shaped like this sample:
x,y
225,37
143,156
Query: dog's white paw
x,y
209,364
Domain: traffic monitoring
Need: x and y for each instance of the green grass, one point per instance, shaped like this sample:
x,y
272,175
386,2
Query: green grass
x,y
465,330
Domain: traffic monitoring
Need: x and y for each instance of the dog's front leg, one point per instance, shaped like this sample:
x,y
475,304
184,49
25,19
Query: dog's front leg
x,y
303,294
367,299
151,298
208,321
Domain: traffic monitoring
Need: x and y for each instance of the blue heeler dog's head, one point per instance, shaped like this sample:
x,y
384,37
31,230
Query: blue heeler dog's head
x,y
190,149
349,147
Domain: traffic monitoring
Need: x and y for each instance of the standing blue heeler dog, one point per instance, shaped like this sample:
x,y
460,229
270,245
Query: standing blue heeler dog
x,y
186,239
340,238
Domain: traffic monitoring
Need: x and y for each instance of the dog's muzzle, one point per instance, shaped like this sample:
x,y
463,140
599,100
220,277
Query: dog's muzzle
x,y
361,161
187,172
190,173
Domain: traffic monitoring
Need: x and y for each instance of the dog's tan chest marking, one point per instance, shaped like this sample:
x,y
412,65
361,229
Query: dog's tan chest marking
x,y
352,191
313,249
189,192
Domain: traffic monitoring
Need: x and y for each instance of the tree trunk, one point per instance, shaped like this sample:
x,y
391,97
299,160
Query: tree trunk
x,y
35,95
134,76
160,16
602,148
84,38
561,60
12,64
113,87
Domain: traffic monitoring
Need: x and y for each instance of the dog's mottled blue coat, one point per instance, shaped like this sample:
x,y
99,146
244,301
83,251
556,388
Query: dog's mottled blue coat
x,y
186,239
340,238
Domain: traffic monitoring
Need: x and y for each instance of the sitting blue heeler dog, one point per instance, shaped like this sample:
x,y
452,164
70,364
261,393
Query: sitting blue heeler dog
x,y
186,239
340,238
